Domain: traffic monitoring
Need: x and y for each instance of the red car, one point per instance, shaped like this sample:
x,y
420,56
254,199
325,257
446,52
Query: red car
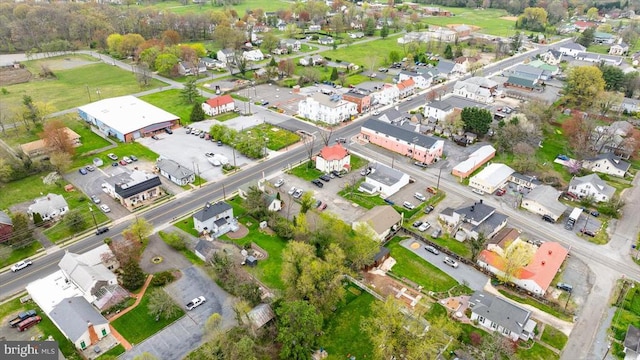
x,y
123,163
501,192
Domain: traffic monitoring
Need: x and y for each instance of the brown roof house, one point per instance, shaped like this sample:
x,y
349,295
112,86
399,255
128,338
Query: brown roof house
x,y
383,220
40,148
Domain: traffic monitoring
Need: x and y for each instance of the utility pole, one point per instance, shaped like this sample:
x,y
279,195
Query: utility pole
x,y
88,92
94,217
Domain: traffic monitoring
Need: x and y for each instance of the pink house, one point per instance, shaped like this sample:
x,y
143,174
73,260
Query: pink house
x,y
420,147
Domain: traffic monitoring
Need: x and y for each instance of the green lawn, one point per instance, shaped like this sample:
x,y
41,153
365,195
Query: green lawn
x,y
413,267
241,8
60,231
278,138
357,162
227,116
342,335
123,149
114,352
453,245
598,48
306,171
371,54
536,352
137,324
16,254
365,200
186,225
171,101
74,87
188,254
554,337
489,20
544,307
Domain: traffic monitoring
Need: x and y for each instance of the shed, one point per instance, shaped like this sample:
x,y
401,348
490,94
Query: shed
x,y
260,315
251,261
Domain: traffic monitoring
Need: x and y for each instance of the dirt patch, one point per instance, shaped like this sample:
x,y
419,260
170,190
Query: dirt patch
x,y
242,232
66,63
510,18
387,286
473,27
11,75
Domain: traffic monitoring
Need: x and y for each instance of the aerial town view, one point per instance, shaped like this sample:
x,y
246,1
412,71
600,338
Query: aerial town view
x,y
320,179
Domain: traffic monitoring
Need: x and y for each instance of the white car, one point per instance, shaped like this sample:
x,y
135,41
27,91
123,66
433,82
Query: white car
x,y
105,208
127,159
279,183
376,113
298,194
196,302
449,261
21,265
425,225
408,205
292,190
419,196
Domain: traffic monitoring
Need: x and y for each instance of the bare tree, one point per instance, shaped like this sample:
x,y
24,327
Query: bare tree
x,y
309,142
325,135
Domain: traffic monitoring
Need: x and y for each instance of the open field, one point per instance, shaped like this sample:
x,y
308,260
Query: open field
x,y
371,54
490,21
177,8
277,138
73,87
171,101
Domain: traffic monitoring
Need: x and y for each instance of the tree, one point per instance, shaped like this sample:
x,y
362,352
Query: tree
x,y
298,327
22,234
143,74
132,276
60,160
578,130
369,26
270,42
75,221
197,113
448,52
286,67
583,84
212,325
190,92
477,244
254,202
516,256
592,13
165,63
613,77
384,32
174,239
516,41
306,202
533,18
365,247
161,305
476,120
494,346
138,231
334,74
587,37
607,100
394,56
56,137
30,110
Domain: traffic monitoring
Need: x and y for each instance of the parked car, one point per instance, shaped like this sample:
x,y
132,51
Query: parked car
x,y
548,219
588,232
82,171
115,163
449,261
102,230
196,302
424,227
122,162
97,162
432,250
322,207
416,223
594,213
22,317
419,196
564,286
155,137
112,156
341,140
292,191
436,233
428,209
168,131
21,265
133,158
501,192
105,208
202,134
389,201
127,159
432,190
219,142
477,191
279,183
27,323
325,178
420,164
408,205
298,194
95,199
90,168
317,183
188,130
336,174
376,113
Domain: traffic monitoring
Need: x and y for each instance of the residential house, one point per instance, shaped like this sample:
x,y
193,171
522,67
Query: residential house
x,y
361,99
379,258
600,58
272,202
210,63
6,226
501,315
463,64
330,109
536,276
326,40
383,220
552,57
499,242
259,316
607,163
134,189
37,148
291,44
476,88
186,69
356,35
50,207
474,161
524,181
462,30
571,49
419,147
253,55
582,25
591,186
543,200
520,83
313,60
227,56
315,28
406,88
445,67
215,218
388,94
421,80
491,178
527,71
393,116
175,172
204,250
386,180
473,220
600,37
92,273
620,48
218,105
629,106
79,322
632,343
439,109
333,158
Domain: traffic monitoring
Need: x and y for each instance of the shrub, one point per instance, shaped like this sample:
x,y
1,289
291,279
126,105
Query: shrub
x,y
162,278
125,303
175,240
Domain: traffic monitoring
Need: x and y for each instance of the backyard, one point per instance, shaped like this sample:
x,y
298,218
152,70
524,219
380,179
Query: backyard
x,y
171,101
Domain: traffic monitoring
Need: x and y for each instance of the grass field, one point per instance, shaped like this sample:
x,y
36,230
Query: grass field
x,y
552,336
278,138
171,101
177,8
489,20
342,334
227,116
74,87
15,255
306,171
114,352
137,324
413,267
371,54
455,246
544,307
536,352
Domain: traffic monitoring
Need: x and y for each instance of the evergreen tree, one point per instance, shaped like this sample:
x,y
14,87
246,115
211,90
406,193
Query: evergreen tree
x,y
197,114
448,52
458,52
384,32
132,276
334,74
37,219
190,91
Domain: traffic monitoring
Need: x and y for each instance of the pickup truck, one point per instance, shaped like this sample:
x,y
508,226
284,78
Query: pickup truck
x,y
21,317
196,302
21,265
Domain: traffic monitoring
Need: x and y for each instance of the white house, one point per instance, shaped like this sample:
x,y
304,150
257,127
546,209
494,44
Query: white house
x,y
330,109
79,322
571,49
185,68
312,60
591,186
472,220
381,219
439,109
215,218
422,80
226,56
334,157
543,200
474,161
49,207
253,55
406,87
175,172
620,48
476,88
389,94
386,180
491,178
218,105
607,163
552,57
326,40
501,315
273,202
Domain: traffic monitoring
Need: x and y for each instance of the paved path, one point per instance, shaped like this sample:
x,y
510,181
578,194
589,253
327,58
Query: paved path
x,y
139,295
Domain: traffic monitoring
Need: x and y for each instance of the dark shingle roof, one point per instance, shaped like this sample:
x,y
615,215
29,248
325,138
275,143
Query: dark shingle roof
x,y
632,339
128,191
615,161
500,311
476,212
5,219
400,133
211,210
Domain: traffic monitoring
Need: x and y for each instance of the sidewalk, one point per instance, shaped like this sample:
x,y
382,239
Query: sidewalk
x,y
138,296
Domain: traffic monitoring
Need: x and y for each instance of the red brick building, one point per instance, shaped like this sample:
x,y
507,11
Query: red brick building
x,y
362,101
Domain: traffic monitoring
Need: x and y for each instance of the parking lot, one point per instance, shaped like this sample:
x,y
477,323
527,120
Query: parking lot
x,y
188,150
283,98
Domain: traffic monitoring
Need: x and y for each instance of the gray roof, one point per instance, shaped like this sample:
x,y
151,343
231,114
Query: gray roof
x,y
47,204
632,338
528,178
475,212
211,210
456,102
556,54
394,131
500,311
174,169
447,211
5,218
84,274
596,182
573,46
386,175
392,115
260,315
615,161
367,186
490,224
73,316
204,247
445,66
548,197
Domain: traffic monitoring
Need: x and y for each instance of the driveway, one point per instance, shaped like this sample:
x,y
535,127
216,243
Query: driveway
x,y
186,334
171,259
464,274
